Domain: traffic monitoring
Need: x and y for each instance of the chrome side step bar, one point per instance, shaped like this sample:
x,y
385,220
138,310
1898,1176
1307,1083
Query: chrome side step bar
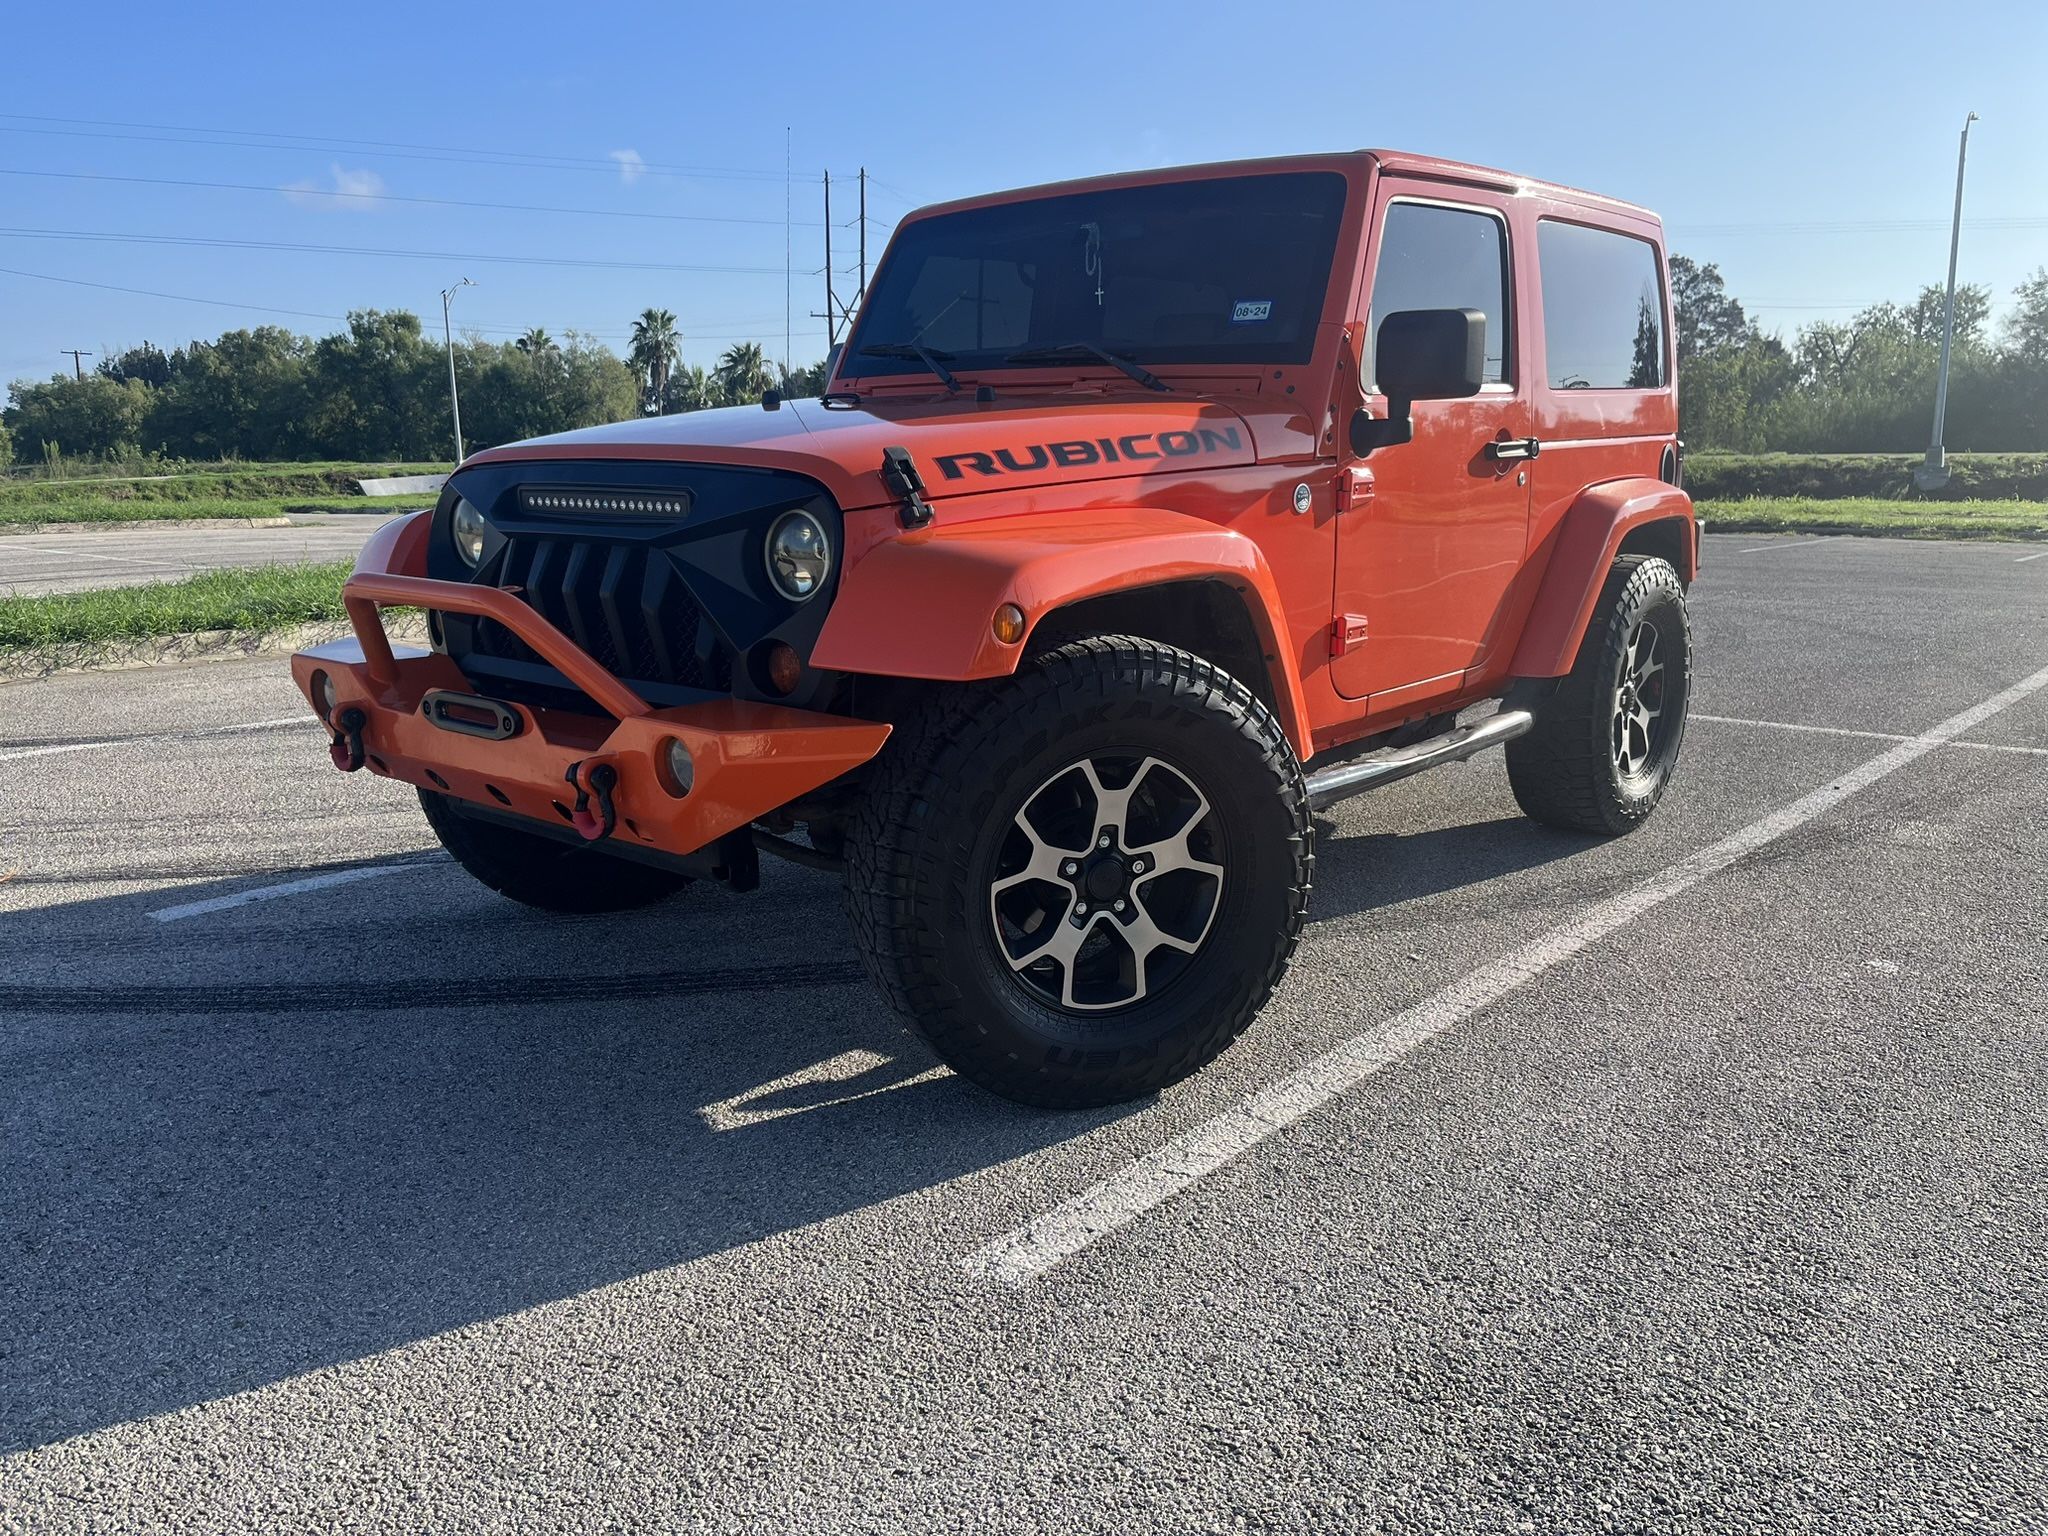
x,y
1341,780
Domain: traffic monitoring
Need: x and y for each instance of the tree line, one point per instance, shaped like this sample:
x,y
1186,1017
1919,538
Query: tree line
x,y
1863,385
377,390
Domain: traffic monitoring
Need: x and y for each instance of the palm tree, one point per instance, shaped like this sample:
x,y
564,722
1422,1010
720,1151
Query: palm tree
x,y
743,373
536,343
656,347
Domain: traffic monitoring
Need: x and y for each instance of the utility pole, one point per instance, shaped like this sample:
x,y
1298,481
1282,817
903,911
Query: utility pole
x,y
77,360
448,336
786,249
1933,472
831,316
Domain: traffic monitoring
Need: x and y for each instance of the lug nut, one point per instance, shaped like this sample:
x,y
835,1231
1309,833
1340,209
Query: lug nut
x,y
1069,868
1137,866
1080,909
1119,906
1102,841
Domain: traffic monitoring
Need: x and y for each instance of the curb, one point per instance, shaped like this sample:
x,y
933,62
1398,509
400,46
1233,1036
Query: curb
x,y
210,645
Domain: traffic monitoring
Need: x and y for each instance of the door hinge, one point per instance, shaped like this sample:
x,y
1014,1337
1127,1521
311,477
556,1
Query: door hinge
x,y
1354,487
1347,633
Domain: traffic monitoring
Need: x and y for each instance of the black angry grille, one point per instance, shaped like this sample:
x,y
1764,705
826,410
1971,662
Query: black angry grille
x,y
625,604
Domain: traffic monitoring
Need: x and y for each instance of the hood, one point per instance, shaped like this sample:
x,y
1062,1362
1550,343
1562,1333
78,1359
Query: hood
x,y
961,446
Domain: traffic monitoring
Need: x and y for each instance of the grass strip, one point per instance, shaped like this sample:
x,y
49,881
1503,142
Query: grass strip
x,y
252,600
22,512
237,483
1872,515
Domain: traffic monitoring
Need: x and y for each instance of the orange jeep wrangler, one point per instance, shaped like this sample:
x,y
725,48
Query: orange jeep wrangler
x,y
1139,518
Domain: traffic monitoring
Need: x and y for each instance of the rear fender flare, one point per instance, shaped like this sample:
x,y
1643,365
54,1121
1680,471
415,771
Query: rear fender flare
x,y
921,605
1588,538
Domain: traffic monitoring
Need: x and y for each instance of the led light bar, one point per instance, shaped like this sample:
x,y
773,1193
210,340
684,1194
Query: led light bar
x,y
598,499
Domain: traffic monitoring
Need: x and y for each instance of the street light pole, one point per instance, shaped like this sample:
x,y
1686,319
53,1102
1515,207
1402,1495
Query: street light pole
x,y
1933,473
448,336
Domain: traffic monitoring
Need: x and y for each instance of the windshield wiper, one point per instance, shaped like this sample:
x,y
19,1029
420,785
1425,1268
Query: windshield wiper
x,y
917,354
1071,349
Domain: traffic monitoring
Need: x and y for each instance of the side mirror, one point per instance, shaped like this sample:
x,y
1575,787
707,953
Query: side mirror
x,y
1422,354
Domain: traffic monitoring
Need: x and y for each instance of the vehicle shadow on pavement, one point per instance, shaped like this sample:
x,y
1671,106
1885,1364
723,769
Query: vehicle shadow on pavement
x,y
1363,872
337,1134
213,1187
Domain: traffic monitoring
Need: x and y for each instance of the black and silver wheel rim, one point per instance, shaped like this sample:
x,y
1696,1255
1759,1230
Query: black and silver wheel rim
x,y
1107,882
1641,723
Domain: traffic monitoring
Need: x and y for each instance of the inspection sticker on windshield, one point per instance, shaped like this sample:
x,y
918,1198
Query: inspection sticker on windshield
x,y
1249,310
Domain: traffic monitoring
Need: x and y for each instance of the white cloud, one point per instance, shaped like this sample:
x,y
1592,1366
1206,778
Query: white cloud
x,y
352,191
631,166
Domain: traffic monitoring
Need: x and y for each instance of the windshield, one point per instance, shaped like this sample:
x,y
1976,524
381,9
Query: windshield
x,y
1228,270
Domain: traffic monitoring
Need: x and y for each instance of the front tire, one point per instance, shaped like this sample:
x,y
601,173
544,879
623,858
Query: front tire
x,y
1604,745
541,872
1081,884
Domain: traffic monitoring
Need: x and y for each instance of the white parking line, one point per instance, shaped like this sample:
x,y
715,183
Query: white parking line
x,y
80,554
1068,1229
1843,730
848,1068
1757,549
18,753
2023,559
289,888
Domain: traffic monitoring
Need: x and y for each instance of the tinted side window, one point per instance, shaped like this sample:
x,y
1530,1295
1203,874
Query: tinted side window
x,y
1603,308
1444,258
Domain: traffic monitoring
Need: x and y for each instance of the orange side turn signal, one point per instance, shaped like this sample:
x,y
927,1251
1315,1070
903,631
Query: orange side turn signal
x,y
1009,624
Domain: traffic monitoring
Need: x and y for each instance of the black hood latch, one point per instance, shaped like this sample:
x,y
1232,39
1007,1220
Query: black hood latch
x,y
901,479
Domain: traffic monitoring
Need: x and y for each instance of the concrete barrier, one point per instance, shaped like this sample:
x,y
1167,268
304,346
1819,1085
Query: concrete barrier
x,y
403,485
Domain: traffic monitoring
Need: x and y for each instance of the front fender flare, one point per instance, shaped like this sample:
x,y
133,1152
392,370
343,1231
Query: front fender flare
x,y
399,548
921,605
1583,549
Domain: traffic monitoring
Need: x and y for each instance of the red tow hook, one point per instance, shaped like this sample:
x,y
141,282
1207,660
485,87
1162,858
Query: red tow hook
x,y
594,781
347,746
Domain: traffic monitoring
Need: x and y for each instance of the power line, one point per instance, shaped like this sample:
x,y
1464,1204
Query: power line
x,y
218,242
1854,226
314,314
605,167
394,197
317,140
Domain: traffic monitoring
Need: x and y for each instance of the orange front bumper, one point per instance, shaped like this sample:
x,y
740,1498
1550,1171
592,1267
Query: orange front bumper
x,y
748,758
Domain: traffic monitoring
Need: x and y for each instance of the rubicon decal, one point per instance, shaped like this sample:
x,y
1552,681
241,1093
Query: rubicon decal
x,y
1134,447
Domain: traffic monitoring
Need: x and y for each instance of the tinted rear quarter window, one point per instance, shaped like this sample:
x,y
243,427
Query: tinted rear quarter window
x,y
1603,308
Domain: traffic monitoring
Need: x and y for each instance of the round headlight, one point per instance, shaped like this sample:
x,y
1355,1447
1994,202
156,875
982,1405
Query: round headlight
x,y
466,528
799,556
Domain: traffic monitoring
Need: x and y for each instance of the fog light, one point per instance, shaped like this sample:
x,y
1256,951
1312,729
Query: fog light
x,y
323,695
1009,624
679,770
785,669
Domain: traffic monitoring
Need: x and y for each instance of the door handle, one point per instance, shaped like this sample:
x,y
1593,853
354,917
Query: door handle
x,y
1513,448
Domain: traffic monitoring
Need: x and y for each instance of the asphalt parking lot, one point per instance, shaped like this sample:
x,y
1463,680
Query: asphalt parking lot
x,y
338,1193
131,554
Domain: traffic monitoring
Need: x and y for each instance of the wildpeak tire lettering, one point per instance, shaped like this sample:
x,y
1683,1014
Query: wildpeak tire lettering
x,y
1077,452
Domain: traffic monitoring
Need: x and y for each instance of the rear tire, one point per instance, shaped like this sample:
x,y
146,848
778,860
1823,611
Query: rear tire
x,y
1081,884
1601,753
541,872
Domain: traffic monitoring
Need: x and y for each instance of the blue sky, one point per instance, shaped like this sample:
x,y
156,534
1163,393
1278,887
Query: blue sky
x,y
1808,149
